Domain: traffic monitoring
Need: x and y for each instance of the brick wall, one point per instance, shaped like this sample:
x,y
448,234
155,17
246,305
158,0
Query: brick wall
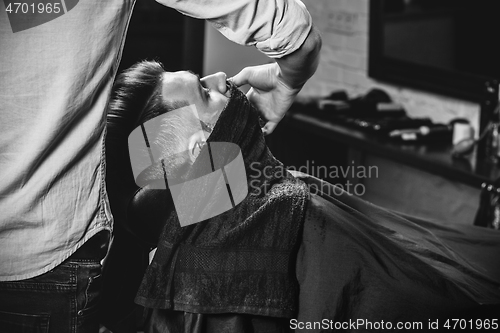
x,y
344,63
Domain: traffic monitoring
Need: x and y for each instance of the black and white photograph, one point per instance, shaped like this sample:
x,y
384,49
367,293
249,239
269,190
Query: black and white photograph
x,y
249,166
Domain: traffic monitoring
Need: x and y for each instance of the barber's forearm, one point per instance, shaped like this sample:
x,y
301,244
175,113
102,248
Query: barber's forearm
x,y
297,67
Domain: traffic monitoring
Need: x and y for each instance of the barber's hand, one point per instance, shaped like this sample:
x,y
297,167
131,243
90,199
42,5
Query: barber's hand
x,y
268,93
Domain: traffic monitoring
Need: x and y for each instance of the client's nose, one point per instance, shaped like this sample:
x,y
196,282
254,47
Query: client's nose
x,y
216,81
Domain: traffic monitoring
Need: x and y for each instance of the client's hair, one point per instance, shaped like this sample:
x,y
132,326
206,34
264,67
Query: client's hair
x,y
136,96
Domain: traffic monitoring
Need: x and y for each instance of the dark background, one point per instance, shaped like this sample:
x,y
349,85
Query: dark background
x,y
161,33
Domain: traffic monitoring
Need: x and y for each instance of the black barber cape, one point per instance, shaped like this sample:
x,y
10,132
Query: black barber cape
x,y
352,260
358,261
243,260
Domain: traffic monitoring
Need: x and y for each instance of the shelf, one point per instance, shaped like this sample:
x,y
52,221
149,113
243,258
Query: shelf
x,y
433,158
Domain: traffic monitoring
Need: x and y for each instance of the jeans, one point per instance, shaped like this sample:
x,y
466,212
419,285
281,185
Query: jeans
x,y
62,300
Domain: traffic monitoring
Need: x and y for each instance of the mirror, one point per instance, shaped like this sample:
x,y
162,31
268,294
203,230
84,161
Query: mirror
x,y
443,46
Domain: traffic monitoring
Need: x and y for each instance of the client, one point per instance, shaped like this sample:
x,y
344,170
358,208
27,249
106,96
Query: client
x,y
282,252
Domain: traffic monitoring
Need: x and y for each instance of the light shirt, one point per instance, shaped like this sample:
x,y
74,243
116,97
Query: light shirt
x,y
275,27
55,81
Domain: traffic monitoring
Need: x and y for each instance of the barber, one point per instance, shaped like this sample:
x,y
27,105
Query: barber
x,y
56,73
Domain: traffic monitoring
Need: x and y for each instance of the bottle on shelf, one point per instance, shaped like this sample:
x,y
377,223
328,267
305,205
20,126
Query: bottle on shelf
x,y
492,148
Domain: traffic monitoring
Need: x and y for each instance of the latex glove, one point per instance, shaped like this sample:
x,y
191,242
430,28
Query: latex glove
x,y
269,94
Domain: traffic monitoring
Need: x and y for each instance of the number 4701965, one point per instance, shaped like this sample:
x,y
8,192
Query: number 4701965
x,y
471,324
26,8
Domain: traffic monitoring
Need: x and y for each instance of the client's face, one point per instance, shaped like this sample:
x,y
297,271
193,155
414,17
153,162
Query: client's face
x,y
182,135
209,94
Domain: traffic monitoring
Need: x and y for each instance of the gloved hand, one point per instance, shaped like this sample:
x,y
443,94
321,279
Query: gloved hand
x,y
274,86
269,94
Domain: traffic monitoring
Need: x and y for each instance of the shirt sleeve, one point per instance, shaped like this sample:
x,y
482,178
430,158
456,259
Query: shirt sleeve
x,y
275,27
